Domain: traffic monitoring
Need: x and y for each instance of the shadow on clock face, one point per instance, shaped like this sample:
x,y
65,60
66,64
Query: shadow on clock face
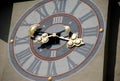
x,y
52,40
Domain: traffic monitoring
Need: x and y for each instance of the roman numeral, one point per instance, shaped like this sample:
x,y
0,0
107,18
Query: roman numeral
x,y
21,40
71,63
59,6
53,53
76,6
51,69
85,49
93,31
23,56
43,12
25,23
35,66
86,16
57,19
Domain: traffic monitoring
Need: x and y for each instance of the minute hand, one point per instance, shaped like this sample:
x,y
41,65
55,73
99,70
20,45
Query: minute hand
x,y
61,37
74,40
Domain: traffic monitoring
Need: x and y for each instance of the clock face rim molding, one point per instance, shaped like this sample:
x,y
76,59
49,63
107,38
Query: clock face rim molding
x,y
74,70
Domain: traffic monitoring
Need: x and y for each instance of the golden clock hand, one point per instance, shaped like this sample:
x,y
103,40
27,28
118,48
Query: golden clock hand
x,y
77,42
32,29
74,36
61,37
67,29
44,38
74,41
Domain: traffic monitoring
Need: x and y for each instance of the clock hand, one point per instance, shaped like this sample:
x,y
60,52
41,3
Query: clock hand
x,y
44,38
32,29
74,40
77,42
33,34
67,29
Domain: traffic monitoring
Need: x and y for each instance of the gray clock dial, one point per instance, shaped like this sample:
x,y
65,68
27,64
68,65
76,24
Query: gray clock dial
x,y
38,61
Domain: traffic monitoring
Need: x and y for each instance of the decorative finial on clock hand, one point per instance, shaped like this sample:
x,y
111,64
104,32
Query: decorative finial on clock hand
x,y
74,41
67,29
44,38
32,29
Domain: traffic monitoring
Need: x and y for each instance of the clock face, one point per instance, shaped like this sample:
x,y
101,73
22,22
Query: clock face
x,y
38,61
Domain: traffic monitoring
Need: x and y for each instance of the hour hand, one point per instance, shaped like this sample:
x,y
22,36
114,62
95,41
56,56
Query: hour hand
x,y
73,41
41,37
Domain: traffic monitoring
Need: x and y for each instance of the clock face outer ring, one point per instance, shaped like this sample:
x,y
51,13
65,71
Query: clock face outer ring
x,y
77,69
